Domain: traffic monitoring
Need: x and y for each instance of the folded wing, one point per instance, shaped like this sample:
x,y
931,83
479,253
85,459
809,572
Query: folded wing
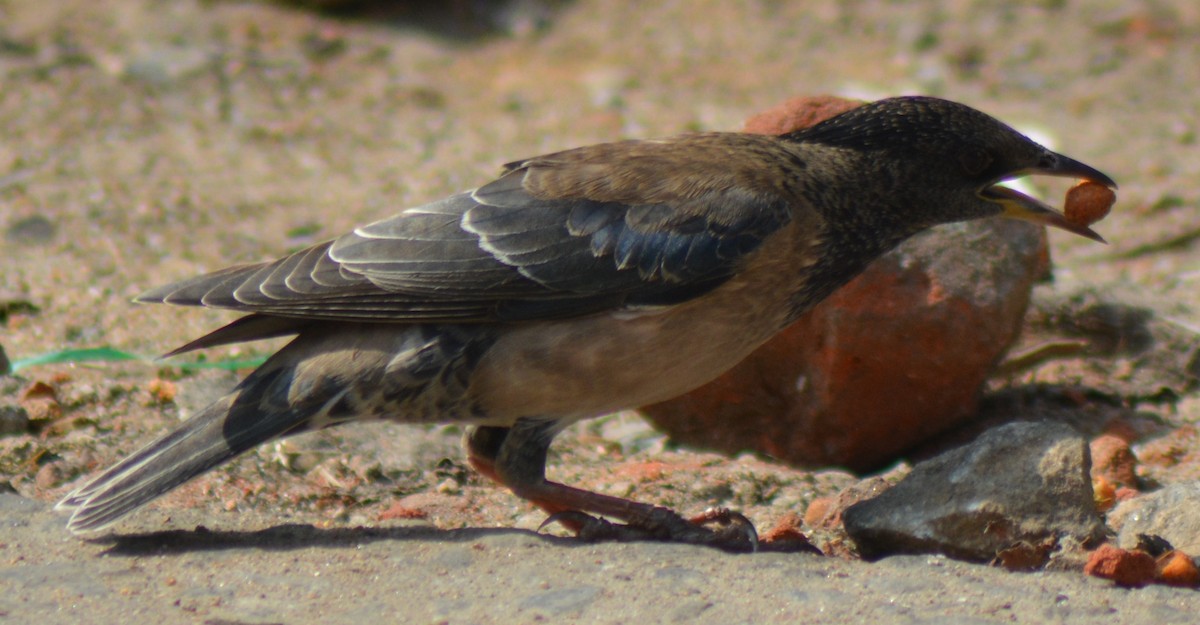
x,y
569,234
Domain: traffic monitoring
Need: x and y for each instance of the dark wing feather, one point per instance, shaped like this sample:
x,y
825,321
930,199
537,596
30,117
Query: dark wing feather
x,y
551,238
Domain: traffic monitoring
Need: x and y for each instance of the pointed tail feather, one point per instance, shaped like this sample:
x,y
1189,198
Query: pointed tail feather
x,y
330,374
233,424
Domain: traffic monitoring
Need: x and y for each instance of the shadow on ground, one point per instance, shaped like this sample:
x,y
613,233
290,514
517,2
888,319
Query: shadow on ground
x,y
293,536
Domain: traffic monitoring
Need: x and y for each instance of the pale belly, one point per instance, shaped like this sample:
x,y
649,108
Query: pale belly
x,y
586,367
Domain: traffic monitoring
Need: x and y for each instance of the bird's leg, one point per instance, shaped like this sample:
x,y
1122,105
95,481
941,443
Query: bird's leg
x,y
516,458
483,445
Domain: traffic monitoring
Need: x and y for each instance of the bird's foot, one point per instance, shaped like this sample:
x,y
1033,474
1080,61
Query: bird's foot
x,y
716,527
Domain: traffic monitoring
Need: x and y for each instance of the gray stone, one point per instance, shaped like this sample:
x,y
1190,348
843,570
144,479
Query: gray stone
x,y
1021,482
1172,513
32,230
13,420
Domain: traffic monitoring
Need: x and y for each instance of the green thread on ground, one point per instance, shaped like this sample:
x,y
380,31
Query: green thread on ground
x,y
108,354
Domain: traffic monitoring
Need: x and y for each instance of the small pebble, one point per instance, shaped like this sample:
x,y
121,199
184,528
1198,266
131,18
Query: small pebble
x,y
13,420
1126,568
1176,568
49,476
1113,460
40,401
1104,494
817,510
162,391
32,230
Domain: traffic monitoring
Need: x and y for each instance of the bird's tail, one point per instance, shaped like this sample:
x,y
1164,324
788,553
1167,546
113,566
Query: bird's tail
x,y
245,418
328,375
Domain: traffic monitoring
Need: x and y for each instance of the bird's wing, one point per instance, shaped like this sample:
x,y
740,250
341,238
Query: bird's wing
x,y
613,226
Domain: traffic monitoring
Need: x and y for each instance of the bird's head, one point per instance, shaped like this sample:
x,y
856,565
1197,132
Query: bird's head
x,y
948,159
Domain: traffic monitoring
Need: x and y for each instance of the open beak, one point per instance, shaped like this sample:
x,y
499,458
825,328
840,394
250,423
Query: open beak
x,y
1017,205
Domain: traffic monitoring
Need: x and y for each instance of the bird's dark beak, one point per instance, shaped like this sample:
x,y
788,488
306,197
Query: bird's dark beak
x,y
1017,205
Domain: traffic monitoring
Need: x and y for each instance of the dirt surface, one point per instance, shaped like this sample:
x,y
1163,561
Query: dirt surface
x,y
147,141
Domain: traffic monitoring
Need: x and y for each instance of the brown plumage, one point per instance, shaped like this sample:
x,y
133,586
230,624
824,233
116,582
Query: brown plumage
x,y
578,283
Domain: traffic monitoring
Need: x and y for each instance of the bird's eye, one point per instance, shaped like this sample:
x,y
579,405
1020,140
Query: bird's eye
x,y
974,160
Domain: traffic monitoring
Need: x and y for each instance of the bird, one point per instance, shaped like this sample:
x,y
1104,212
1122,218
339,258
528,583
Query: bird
x,y
579,283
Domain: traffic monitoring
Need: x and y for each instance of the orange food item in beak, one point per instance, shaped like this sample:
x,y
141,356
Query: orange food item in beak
x,y
1088,202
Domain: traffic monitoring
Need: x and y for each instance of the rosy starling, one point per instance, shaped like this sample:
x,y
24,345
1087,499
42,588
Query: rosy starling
x,y
579,283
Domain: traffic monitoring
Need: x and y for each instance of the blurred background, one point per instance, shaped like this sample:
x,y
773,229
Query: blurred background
x,y
142,141
148,140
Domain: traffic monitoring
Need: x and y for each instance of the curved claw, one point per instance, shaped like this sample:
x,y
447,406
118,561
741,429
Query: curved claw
x,y
573,520
734,525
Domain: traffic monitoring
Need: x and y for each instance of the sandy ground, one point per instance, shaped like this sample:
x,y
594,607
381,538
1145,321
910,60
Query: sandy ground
x,y
146,141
